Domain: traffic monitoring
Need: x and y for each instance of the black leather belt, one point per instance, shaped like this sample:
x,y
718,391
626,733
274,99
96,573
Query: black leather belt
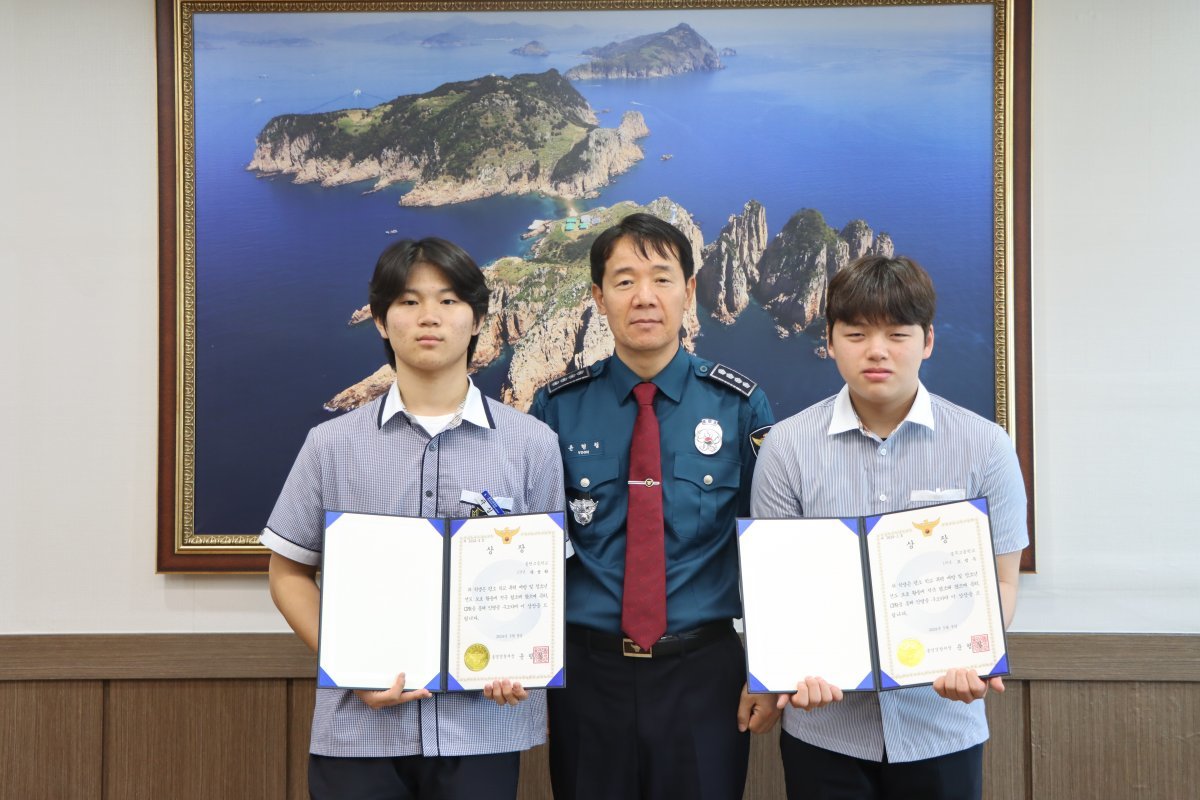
x,y
673,644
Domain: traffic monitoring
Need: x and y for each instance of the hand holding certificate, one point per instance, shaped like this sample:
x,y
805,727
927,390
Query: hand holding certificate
x,y
453,604
872,603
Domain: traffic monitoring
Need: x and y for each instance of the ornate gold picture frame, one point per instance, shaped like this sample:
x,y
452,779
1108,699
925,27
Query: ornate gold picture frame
x,y
225,69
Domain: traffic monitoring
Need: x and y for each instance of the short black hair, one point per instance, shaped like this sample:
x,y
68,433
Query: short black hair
x,y
881,291
647,232
460,270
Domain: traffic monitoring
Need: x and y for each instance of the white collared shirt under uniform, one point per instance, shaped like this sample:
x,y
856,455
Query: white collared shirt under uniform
x,y
823,463
377,460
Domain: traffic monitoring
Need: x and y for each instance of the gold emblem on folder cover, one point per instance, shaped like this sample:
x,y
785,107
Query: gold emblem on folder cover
x,y
506,534
926,527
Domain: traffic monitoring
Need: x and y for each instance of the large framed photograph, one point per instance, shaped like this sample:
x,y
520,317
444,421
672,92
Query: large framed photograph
x,y
298,140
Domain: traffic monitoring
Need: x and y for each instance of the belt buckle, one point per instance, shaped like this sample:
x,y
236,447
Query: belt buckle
x,y
632,649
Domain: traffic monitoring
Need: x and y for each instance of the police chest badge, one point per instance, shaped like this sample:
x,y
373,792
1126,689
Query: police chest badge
x,y
708,436
583,509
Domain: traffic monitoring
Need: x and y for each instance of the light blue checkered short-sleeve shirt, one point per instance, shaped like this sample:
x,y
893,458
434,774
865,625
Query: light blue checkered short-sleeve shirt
x,y
377,460
822,463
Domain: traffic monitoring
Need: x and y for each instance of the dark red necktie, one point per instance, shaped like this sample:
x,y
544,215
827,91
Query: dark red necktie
x,y
644,602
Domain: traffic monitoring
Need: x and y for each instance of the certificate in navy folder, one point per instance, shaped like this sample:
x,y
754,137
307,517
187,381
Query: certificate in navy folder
x,y
452,603
871,603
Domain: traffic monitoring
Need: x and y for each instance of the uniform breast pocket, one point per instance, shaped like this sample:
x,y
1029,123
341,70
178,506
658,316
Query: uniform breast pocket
x,y
592,494
702,487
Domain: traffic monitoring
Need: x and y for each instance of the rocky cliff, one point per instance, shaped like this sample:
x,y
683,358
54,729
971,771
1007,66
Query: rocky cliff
x,y
360,315
788,276
364,391
596,160
795,268
541,308
730,263
655,55
462,141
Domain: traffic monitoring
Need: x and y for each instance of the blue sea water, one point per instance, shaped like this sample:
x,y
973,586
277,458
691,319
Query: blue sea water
x,y
877,127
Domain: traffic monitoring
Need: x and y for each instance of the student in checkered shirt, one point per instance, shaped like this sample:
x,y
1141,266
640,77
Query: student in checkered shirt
x,y
423,449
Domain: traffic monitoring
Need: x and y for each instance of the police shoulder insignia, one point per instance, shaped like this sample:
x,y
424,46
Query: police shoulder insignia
x,y
570,378
731,378
757,437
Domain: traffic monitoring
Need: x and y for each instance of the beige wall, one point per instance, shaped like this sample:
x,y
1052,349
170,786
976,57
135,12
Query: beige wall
x,y
1115,207
1114,212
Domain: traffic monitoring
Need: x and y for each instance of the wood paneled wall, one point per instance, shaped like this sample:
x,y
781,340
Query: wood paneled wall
x,y
109,717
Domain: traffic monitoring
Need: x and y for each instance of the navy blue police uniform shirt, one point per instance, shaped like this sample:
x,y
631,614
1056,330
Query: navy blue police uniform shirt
x,y
711,421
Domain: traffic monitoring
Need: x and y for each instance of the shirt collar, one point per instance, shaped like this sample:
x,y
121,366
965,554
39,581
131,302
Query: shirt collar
x,y
844,419
474,409
670,379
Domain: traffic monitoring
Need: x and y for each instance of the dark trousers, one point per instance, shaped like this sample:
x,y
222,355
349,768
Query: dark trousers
x,y
814,773
487,777
650,728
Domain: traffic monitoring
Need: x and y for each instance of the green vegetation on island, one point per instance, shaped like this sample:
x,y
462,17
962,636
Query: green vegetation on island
x,y
460,141
452,128
654,55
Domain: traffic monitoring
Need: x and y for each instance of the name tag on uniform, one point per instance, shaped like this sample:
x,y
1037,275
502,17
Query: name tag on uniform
x,y
937,495
480,502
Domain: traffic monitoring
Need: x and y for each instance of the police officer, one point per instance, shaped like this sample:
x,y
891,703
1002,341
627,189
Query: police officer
x,y
644,715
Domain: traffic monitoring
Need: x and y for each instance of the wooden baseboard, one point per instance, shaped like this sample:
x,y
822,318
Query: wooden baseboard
x,y
153,656
1034,656
1146,657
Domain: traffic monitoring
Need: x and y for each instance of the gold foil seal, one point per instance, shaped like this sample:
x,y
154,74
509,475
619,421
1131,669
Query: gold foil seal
x,y
476,657
910,652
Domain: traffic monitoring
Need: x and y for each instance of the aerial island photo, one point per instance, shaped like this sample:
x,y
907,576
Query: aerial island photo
x,y
783,143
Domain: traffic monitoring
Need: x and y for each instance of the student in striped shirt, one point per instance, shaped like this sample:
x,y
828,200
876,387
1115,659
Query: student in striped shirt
x,y
885,443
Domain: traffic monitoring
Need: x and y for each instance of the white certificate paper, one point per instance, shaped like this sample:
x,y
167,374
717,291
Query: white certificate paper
x,y
802,597
871,603
506,609
936,596
454,604
381,584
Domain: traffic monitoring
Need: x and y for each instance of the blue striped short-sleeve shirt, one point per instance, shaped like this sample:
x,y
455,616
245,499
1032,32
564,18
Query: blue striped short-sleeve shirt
x,y
822,463
378,460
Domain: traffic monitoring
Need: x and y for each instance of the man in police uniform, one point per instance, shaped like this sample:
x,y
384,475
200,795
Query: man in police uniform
x,y
661,717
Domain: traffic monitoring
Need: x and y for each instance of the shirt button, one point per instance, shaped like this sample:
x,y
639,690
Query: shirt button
x,y
883,497
883,451
708,480
432,446
584,482
429,493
